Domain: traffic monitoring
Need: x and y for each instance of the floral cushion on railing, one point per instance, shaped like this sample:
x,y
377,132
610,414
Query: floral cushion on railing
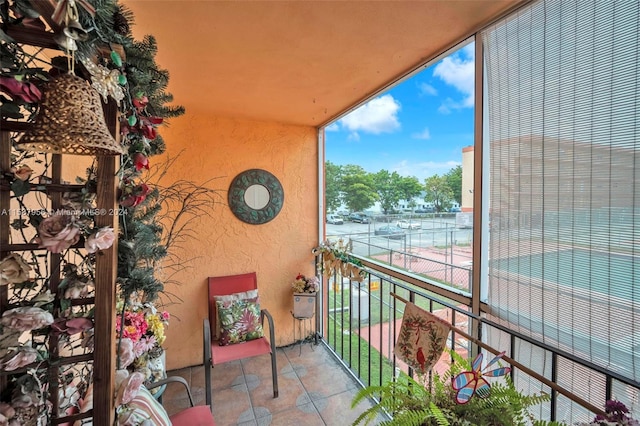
x,y
239,321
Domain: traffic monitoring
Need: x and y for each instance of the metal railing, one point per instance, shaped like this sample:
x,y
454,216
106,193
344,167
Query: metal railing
x,y
363,320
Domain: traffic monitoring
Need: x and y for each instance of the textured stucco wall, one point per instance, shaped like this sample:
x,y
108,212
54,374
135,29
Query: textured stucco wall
x,y
277,251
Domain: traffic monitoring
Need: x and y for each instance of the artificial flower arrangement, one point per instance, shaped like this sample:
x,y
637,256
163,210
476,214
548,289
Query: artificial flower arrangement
x,y
140,328
24,341
303,284
335,258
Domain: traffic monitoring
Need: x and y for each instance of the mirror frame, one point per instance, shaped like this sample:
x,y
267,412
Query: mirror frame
x,y
238,188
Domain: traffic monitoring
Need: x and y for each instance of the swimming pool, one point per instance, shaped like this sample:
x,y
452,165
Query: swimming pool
x,y
610,274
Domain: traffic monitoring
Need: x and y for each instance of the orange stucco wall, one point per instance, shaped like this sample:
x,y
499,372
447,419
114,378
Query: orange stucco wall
x,y
277,251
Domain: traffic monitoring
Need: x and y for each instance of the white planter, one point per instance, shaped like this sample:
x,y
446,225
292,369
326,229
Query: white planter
x,y
304,305
157,367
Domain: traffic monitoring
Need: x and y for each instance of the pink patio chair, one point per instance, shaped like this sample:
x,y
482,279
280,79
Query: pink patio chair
x,y
214,354
195,415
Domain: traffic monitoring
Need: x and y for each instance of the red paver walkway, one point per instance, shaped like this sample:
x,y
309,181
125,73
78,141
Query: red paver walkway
x,y
385,346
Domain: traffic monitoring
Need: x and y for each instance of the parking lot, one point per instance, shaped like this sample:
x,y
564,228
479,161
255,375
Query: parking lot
x,y
433,232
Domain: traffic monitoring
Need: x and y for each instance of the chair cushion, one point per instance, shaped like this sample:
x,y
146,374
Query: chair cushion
x,y
251,294
239,321
222,354
143,407
200,415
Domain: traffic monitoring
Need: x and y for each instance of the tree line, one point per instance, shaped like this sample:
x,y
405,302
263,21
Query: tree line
x,y
351,186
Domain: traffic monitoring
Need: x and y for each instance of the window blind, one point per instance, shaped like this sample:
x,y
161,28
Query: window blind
x,y
563,96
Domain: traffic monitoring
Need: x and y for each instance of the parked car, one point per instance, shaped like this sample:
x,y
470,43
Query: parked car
x,y
359,218
455,210
390,231
407,224
334,219
426,210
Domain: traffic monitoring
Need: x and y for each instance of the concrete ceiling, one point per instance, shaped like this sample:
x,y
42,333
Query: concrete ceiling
x,y
299,62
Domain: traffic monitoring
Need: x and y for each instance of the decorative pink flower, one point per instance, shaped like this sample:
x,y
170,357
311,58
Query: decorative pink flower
x,y
140,161
135,325
101,240
22,90
145,344
148,126
14,270
71,326
26,318
24,355
125,352
57,233
140,101
135,195
23,173
129,388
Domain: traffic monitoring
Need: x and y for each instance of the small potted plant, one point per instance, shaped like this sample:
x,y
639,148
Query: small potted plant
x,y
304,296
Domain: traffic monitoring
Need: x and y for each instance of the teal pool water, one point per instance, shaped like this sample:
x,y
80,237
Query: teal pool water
x,y
610,274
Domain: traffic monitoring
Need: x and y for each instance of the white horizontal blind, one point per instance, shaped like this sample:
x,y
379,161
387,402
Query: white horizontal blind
x,y
563,96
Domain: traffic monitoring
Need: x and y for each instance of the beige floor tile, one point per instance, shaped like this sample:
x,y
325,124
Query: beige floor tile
x,y
314,390
305,415
291,394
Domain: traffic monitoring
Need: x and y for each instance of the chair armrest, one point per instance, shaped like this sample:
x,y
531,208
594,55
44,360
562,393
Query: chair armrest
x,y
207,361
206,341
172,379
272,334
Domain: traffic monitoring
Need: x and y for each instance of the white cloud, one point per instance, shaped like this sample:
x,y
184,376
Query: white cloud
x,y
427,89
458,70
449,104
353,136
333,127
379,115
422,135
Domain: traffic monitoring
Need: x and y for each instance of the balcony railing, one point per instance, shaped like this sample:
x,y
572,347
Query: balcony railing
x,y
363,319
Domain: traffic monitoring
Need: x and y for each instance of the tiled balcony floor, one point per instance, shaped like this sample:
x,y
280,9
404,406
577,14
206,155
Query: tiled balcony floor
x,y
314,390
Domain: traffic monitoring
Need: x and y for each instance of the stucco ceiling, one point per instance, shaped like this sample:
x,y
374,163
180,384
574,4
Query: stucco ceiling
x,y
298,62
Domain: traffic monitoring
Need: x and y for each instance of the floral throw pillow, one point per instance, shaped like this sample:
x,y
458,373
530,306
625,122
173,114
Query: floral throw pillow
x,y
251,294
239,321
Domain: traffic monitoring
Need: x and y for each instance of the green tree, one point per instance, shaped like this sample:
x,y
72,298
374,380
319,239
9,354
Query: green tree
x,y
332,186
388,188
438,192
358,188
410,187
454,180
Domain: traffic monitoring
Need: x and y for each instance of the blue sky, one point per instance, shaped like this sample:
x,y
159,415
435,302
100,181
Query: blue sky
x,y
418,128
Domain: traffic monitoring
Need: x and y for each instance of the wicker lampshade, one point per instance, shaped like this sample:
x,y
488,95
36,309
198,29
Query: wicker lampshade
x,y
70,121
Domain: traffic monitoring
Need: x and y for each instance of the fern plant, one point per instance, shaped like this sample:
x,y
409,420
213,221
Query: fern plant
x,y
411,403
404,398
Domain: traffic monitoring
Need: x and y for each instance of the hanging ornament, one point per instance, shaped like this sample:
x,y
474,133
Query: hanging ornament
x,y
117,60
66,11
104,80
70,121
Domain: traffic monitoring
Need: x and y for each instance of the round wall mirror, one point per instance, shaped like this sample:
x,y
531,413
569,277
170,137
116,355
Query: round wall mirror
x,y
255,196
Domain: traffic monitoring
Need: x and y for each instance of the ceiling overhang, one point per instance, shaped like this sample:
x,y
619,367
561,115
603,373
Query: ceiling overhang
x,y
299,62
